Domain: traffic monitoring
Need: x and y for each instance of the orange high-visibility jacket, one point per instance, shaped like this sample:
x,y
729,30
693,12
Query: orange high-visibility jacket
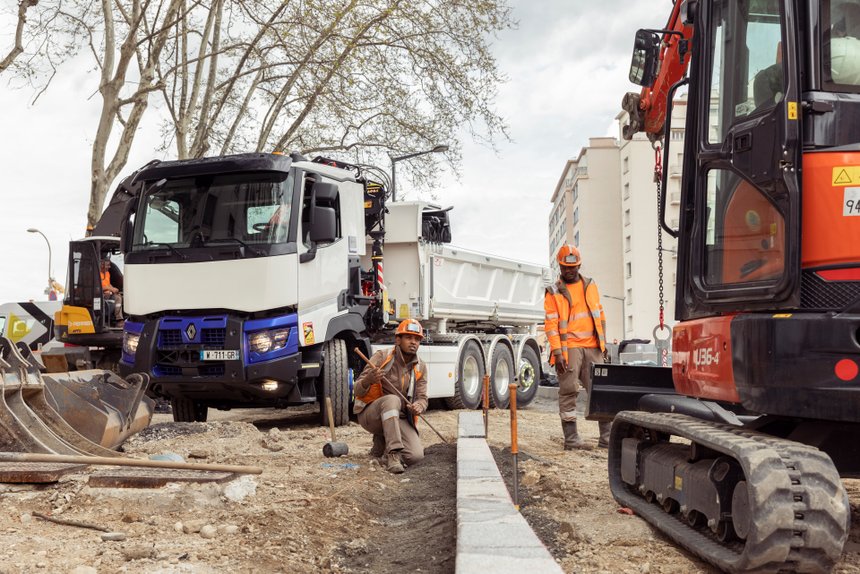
x,y
366,392
564,329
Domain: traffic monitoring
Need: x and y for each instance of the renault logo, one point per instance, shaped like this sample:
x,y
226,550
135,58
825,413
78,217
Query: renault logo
x,y
190,331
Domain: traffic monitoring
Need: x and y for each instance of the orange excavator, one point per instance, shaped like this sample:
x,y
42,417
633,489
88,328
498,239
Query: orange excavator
x,y
736,451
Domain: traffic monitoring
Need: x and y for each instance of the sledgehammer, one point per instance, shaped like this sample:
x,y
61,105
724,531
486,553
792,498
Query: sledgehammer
x,y
333,448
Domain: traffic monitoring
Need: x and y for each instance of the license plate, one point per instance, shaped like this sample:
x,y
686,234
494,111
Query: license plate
x,y
219,355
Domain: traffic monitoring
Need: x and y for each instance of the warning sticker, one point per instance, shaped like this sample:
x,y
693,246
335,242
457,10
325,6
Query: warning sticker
x,y
846,175
308,333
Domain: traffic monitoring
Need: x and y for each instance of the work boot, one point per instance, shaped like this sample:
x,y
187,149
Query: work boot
x,y
572,440
378,448
605,427
394,464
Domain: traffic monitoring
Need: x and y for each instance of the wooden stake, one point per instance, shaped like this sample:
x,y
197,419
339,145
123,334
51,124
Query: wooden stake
x,y
512,390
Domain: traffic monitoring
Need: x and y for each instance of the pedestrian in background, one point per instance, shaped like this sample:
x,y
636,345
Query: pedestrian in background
x,y
575,327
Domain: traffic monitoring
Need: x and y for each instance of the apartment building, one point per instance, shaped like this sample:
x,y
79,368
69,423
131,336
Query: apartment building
x,y
605,203
640,227
586,203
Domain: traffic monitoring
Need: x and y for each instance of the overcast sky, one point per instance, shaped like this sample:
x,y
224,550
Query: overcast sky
x,y
567,67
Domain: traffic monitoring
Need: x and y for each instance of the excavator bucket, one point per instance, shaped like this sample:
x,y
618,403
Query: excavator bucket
x,y
86,412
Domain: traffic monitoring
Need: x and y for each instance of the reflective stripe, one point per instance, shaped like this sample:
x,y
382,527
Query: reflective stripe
x,y
557,352
563,337
583,315
568,415
596,314
392,414
583,334
551,333
552,315
562,324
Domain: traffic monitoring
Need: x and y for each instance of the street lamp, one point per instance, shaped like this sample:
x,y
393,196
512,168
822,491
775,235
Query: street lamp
x,y
34,230
394,160
623,313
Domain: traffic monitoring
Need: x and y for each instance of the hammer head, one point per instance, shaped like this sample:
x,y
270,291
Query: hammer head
x,y
333,449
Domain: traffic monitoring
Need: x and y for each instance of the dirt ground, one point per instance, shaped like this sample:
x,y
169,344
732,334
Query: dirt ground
x,y
306,513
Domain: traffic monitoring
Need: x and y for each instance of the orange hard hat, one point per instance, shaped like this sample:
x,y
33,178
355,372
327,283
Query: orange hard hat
x,y
409,327
569,256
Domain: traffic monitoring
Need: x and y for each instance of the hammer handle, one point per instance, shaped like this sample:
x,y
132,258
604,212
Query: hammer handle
x,y
366,360
330,417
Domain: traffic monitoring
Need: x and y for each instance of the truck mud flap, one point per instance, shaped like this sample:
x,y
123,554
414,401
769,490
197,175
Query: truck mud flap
x,y
616,388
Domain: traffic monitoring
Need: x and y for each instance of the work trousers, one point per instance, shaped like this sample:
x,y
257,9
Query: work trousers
x,y
579,361
382,416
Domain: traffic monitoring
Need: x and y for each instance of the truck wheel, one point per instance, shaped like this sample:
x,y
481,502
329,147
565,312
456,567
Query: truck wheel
x,y
335,383
470,376
501,375
188,411
528,377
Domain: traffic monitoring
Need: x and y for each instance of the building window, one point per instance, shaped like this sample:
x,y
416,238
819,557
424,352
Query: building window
x,y
575,191
677,135
627,243
630,296
576,239
629,270
626,191
626,164
576,216
626,217
629,322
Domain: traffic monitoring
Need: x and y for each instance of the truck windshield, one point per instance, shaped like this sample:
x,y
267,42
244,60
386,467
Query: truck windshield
x,y
841,47
241,210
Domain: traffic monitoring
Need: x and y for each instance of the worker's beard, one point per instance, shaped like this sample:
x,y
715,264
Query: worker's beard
x,y
570,281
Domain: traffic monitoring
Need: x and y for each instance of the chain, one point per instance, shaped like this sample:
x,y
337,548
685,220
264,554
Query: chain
x,y
658,179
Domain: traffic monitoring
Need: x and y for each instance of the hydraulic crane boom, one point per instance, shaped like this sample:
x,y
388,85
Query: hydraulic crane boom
x,y
657,76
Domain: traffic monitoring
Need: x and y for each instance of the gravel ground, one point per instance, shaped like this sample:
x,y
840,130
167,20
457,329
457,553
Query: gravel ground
x,y
306,513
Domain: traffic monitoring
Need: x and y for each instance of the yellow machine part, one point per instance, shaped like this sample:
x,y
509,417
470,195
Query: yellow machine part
x,y
74,321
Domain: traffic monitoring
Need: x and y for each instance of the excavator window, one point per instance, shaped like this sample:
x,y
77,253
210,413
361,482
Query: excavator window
x,y
841,45
747,71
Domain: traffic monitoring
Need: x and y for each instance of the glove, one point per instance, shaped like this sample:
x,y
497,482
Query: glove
x,y
560,365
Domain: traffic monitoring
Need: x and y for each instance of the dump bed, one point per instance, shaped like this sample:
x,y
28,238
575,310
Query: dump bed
x,y
434,281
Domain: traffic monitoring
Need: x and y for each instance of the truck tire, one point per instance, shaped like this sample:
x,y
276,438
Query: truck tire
x,y
502,374
528,377
188,411
335,383
470,377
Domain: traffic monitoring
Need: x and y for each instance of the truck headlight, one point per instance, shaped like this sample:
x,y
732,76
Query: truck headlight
x,y
129,343
268,340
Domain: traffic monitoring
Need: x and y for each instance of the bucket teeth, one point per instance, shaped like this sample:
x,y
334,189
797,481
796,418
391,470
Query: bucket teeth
x,y
66,414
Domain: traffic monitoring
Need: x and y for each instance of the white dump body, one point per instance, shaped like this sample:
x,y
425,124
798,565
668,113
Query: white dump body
x,y
446,285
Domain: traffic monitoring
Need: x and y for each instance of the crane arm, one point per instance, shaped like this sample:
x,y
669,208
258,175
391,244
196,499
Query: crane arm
x,y
647,109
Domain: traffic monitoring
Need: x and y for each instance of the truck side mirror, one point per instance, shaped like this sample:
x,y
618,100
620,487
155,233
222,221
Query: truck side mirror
x,y
646,50
322,217
126,235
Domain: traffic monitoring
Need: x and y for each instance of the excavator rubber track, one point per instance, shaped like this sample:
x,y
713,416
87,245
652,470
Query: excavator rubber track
x,y
796,513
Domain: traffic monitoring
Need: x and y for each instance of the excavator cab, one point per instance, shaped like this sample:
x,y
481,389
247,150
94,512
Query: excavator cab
x,y
88,316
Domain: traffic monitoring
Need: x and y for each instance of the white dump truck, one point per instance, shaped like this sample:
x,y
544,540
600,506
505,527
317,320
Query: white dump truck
x,y
250,279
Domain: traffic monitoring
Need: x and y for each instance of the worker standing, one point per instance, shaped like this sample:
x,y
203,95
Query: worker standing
x,y
575,327
379,408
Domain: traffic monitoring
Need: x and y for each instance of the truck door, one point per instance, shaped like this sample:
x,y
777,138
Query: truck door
x,y
323,268
740,226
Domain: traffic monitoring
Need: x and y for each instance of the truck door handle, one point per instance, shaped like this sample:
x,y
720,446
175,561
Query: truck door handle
x,y
743,142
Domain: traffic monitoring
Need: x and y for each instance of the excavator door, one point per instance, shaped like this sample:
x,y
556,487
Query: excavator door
x,y
739,236
84,303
